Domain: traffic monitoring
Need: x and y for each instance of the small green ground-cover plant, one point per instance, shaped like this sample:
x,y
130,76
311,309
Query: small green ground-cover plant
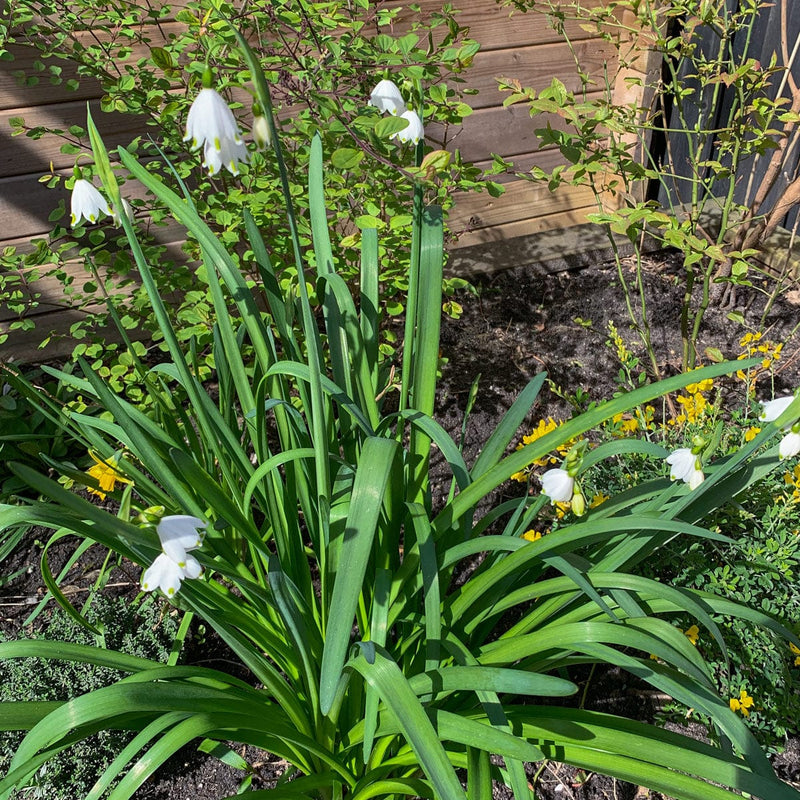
x,y
291,510
687,73
139,629
758,567
322,60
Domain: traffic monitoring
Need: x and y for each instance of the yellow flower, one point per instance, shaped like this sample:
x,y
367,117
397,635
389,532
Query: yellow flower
x,y
748,338
797,654
751,433
543,427
700,386
693,406
106,474
741,703
561,509
692,633
627,424
532,536
597,500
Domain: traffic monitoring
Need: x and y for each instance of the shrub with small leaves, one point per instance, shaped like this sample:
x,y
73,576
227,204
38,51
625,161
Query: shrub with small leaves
x,y
136,629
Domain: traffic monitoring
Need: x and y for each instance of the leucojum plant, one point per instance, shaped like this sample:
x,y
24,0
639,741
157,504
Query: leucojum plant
x,y
688,103
292,511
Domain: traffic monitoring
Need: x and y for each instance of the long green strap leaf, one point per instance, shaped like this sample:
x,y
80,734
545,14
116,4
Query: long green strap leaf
x,y
371,482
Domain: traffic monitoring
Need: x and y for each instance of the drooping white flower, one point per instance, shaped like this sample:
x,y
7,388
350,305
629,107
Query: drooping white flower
x,y
685,466
413,132
211,123
178,534
87,202
790,445
558,485
123,208
229,155
167,575
772,409
386,97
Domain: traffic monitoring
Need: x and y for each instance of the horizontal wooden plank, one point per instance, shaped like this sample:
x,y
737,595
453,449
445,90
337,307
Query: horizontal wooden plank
x,y
536,66
521,201
24,155
553,224
505,131
15,93
494,26
25,346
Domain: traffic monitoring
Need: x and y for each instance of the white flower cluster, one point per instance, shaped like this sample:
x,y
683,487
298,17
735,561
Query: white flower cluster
x,y
178,535
386,98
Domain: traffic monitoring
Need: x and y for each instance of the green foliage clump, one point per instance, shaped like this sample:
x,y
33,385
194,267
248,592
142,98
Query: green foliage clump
x,y
758,566
139,629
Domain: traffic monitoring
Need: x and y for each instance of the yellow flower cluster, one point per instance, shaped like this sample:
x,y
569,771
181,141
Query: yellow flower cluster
x,y
694,404
598,500
753,344
531,536
620,348
792,481
543,427
796,652
741,703
623,424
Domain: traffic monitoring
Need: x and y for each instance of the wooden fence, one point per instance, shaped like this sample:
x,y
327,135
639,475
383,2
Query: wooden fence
x,y
523,225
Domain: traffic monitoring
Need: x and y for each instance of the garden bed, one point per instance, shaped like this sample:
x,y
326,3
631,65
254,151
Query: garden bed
x,y
521,322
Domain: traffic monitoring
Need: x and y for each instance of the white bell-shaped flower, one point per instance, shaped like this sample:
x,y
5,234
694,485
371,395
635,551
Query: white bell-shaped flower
x,y
178,534
685,466
790,445
166,574
413,132
772,409
87,202
386,97
211,124
558,485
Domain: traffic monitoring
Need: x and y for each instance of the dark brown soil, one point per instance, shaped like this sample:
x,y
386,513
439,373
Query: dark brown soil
x,y
521,322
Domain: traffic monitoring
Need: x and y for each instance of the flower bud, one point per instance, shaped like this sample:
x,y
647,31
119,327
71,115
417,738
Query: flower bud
x,y
578,502
150,516
262,135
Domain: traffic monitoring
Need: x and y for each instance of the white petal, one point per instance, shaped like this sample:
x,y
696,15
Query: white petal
x,y
696,478
192,567
413,132
87,202
164,574
229,154
386,97
772,409
182,530
558,485
210,121
789,446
